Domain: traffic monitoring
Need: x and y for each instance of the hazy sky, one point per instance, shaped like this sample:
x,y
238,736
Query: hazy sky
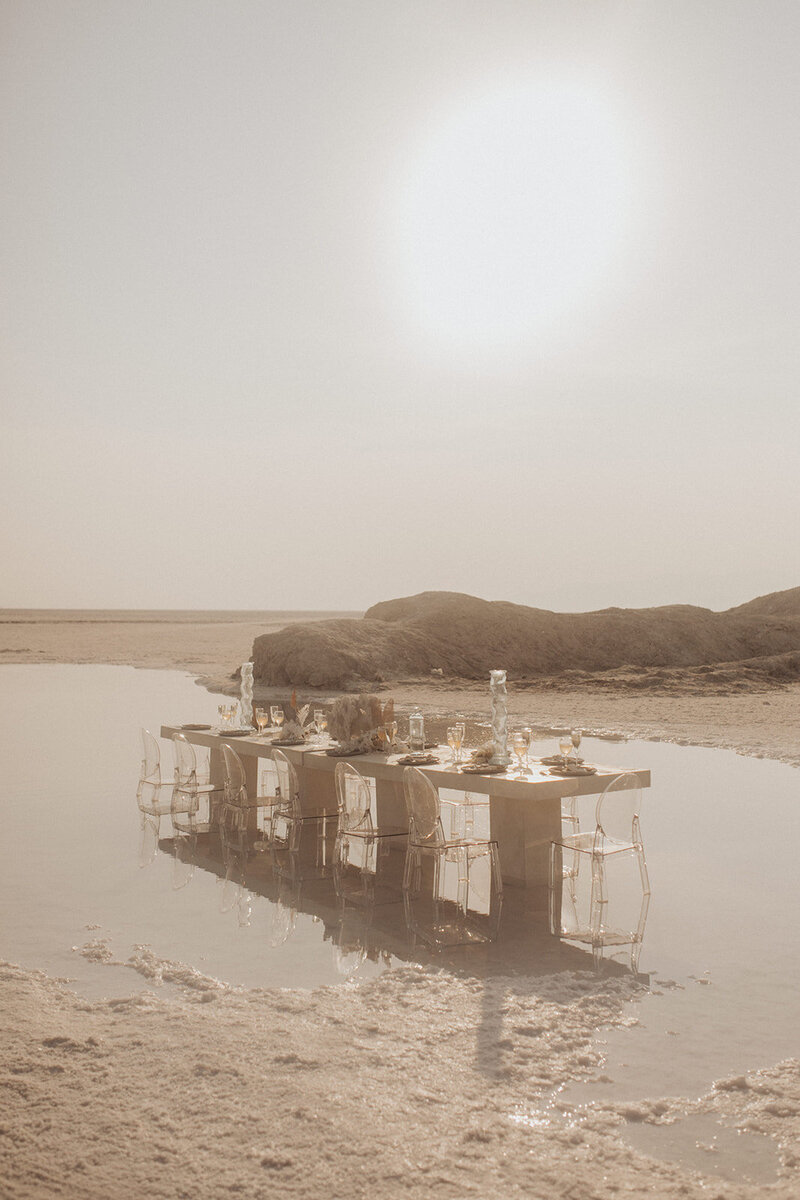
x,y
308,304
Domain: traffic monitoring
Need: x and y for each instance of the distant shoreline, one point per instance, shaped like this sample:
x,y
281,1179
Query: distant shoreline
x,y
36,616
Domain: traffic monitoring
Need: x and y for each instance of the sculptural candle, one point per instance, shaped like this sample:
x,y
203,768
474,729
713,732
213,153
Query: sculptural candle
x,y
499,718
246,702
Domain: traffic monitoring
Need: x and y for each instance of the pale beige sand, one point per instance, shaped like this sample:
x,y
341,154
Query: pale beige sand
x,y
211,645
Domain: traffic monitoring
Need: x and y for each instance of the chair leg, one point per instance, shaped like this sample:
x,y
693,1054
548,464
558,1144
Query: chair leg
x,y
462,862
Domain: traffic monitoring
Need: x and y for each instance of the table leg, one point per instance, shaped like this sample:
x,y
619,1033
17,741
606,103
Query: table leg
x,y
523,832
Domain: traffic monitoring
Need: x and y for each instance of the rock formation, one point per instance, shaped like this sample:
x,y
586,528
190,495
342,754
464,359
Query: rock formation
x,y
464,637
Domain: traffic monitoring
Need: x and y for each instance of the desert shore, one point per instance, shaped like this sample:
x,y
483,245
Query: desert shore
x,y
761,724
194,1088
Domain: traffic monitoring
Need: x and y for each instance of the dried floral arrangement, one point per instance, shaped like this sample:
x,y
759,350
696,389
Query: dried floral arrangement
x,y
296,721
354,721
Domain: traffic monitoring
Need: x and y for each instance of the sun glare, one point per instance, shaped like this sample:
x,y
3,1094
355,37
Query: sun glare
x,y
513,215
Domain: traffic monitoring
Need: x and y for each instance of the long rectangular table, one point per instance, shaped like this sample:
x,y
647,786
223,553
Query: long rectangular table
x,y
525,813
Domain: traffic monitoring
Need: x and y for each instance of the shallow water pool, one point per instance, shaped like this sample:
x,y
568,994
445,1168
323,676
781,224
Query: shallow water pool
x,y
720,947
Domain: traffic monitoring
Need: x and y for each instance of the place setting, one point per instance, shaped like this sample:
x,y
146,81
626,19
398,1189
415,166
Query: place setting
x,y
568,762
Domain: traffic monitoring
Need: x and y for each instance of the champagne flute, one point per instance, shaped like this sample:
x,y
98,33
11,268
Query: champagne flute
x,y
262,720
565,745
276,713
575,738
453,742
527,733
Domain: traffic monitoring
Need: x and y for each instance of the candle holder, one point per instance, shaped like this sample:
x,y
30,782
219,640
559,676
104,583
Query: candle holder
x,y
246,701
497,681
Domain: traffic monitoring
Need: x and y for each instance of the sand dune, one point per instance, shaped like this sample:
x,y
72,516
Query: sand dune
x,y
463,637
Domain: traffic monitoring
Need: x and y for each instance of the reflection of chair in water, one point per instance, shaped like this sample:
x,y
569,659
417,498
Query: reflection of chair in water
x,y
587,904
361,851
301,841
476,864
284,912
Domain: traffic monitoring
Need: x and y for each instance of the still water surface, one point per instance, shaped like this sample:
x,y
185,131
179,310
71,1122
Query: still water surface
x,y
721,836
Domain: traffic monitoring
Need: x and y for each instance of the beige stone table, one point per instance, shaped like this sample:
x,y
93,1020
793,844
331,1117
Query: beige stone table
x,y
525,812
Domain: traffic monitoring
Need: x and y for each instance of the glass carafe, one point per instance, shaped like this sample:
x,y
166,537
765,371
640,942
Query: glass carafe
x,y
416,732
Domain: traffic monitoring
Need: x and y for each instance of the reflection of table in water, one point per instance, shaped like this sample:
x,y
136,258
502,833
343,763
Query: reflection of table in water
x,y
525,812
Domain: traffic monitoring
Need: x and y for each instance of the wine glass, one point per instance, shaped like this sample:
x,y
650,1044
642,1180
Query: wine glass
x,y
565,745
262,720
319,721
223,710
276,713
575,738
453,741
527,733
520,747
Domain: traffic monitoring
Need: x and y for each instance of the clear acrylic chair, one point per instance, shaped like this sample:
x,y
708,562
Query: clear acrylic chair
x,y
191,797
154,794
156,798
301,840
361,851
245,820
601,902
467,856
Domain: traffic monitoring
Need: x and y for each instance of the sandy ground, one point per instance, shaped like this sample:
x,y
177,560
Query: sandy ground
x,y
417,1084
211,645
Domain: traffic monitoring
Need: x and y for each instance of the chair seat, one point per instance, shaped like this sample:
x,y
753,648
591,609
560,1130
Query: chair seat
x,y
193,789
588,843
256,802
383,831
316,814
455,844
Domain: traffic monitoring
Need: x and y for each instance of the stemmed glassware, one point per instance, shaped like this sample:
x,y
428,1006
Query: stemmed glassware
x,y
520,744
565,745
575,738
262,720
320,721
276,713
454,737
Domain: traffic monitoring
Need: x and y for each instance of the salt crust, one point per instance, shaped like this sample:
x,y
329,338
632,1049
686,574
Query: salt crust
x,y
409,1085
